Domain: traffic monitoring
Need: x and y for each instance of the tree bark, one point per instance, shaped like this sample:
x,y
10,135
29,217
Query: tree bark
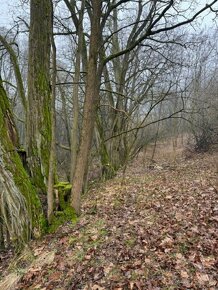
x,y
52,158
19,205
75,125
39,92
90,107
17,72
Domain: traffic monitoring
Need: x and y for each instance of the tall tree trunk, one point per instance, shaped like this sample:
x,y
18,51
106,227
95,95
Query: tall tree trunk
x,y
39,92
75,125
90,107
52,158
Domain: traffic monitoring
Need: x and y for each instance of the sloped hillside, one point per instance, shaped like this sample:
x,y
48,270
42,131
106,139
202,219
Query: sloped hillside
x,y
154,228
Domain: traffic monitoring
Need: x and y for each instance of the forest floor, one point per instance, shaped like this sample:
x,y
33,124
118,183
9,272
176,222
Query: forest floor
x,y
156,228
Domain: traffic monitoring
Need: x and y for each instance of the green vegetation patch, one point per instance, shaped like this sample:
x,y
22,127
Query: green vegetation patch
x,y
64,190
60,217
89,238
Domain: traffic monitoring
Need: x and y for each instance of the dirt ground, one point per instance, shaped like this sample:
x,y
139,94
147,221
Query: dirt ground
x,y
156,227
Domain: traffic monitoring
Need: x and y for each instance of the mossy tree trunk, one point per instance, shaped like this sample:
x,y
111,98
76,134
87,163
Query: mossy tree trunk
x,y
39,92
19,205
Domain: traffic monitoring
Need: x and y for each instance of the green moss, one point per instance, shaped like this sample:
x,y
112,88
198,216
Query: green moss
x,y
21,149
66,212
130,242
14,164
60,217
43,223
40,146
22,181
63,184
64,190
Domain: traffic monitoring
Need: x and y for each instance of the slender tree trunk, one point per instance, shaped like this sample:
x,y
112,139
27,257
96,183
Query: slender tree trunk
x,y
64,112
39,92
75,125
90,108
107,170
52,159
17,72
156,135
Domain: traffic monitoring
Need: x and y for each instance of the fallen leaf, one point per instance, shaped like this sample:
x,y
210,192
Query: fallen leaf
x,y
64,240
178,216
213,282
55,276
97,287
202,278
38,251
147,261
186,283
131,284
168,241
184,274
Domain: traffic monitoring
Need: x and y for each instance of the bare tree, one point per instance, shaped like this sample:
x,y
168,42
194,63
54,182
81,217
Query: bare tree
x,y
150,20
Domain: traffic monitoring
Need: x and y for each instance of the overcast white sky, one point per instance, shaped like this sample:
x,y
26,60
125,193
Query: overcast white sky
x,y
10,9
5,14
